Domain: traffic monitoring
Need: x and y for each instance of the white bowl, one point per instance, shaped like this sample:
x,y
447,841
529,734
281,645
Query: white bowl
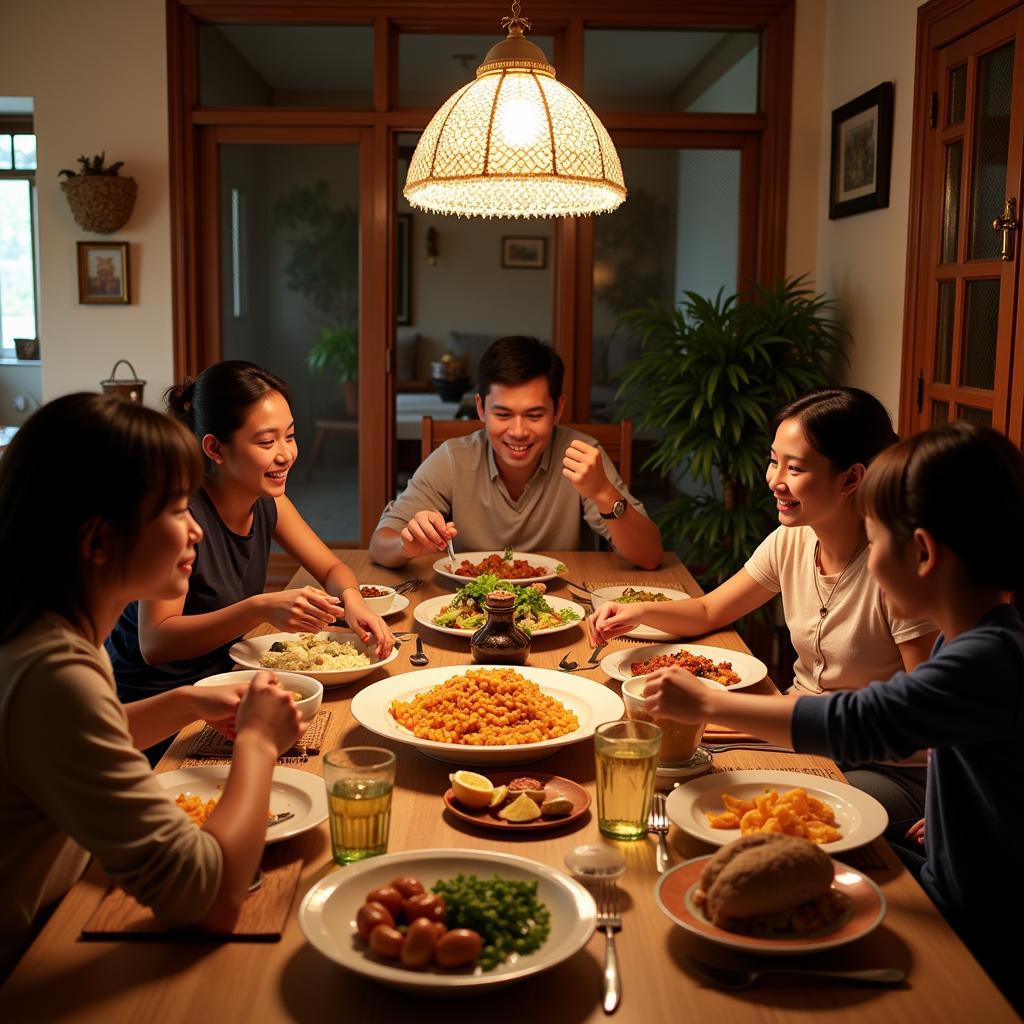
x,y
247,654
327,917
605,594
378,605
591,702
311,690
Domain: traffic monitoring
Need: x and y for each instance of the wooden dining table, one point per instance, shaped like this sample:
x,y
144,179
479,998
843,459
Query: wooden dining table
x,y
62,977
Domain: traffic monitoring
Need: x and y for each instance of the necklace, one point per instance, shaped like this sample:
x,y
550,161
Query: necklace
x,y
825,602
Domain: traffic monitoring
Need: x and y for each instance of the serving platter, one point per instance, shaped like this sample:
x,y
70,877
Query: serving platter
x,y
299,793
750,669
591,702
605,594
676,890
552,567
859,816
425,612
247,653
328,910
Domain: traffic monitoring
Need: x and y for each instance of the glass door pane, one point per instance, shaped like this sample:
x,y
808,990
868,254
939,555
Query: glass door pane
x,y
468,282
678,232
289,294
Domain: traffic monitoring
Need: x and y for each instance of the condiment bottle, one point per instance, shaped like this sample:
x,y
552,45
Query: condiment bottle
x,y
499,641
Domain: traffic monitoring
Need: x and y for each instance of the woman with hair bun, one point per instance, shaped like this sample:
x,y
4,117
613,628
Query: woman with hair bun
x,y
843,630
241,416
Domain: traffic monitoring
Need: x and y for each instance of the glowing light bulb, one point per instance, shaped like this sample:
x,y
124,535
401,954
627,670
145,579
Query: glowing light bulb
x,y
519,122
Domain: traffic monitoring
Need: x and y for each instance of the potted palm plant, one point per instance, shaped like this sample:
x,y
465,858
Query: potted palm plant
x,y
712,374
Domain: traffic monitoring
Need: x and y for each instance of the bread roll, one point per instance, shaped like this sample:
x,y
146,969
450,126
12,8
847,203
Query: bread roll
x,y
765,874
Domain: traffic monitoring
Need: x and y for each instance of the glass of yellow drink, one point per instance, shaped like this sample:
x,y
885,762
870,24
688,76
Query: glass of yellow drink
x,y
359,784
627,759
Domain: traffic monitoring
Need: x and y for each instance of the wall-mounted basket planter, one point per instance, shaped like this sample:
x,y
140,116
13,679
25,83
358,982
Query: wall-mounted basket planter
x,y
100,202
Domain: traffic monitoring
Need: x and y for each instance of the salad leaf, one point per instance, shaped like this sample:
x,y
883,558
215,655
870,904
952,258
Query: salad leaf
x,y
507,556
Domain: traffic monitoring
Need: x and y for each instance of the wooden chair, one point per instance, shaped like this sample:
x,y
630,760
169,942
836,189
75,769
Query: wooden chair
x,y
615,438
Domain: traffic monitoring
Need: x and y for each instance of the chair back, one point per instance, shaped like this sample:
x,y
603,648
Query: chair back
x,y
615,438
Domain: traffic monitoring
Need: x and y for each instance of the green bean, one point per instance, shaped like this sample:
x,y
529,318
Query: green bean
x,y
506,913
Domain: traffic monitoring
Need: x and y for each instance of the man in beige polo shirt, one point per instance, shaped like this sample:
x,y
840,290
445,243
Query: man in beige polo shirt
x,y
522,481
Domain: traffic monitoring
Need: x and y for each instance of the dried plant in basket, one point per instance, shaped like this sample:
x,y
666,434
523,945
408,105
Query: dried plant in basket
x,y
100,199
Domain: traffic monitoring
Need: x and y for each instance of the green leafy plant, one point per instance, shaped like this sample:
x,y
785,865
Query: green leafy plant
x,y
323,267
93,166
712,375
337,351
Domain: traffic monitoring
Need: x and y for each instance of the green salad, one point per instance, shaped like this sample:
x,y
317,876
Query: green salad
x,y
532,611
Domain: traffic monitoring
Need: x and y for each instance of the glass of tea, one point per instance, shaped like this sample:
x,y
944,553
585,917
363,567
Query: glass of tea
x,y
627,760
359,784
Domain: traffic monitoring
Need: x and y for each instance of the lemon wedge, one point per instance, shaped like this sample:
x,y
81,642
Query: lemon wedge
x,y
471,789
521,809
498,796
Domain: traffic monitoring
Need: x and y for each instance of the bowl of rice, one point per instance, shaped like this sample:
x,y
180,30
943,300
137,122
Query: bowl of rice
x,y
307,693
333,658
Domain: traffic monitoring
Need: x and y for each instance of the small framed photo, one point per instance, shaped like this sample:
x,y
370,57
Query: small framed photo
x,y
524,253
861,153
103,273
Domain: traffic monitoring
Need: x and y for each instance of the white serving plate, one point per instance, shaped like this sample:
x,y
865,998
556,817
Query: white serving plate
x,y
859,816
247,654
302,793
328,911
443,565
426,610
676,889
605,594
591,702
750,669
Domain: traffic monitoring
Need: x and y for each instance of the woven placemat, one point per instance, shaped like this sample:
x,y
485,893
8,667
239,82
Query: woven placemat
x,y
262,919
212,747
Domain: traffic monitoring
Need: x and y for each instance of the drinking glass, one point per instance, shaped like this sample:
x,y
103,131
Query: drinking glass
x,y
627,759
359,784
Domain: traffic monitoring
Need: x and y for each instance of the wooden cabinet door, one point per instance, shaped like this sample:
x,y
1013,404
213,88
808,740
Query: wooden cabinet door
x,y
968,270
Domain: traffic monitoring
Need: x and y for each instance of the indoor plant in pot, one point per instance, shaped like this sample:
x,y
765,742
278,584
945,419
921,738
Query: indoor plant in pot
x,y
100,199
712,374
337,352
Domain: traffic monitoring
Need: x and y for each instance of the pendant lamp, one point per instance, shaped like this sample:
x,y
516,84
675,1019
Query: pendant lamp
x,y
515,142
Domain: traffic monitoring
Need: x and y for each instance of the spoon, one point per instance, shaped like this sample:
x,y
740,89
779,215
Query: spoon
x,y
419,659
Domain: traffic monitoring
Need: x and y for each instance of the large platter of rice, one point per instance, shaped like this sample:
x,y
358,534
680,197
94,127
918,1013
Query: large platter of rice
x,y
334,658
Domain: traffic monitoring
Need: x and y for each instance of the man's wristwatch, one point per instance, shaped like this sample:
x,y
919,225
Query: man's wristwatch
x,y
617,512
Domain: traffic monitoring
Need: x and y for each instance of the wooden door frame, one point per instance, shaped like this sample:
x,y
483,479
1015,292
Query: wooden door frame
x,y
939,24
567,21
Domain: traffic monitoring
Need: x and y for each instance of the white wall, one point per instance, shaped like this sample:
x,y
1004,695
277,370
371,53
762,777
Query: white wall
x,y
861,260
98,75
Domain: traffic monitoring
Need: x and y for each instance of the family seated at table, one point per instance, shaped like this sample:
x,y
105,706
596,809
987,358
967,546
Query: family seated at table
x,y
521,481
121,516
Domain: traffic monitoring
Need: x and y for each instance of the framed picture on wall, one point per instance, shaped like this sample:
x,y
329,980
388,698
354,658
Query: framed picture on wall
x,y
103,273
524,253
403,258
861,153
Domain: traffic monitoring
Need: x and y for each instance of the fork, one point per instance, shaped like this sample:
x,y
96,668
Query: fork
x,y
740,979
609,922
658,823
278,818
408,586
